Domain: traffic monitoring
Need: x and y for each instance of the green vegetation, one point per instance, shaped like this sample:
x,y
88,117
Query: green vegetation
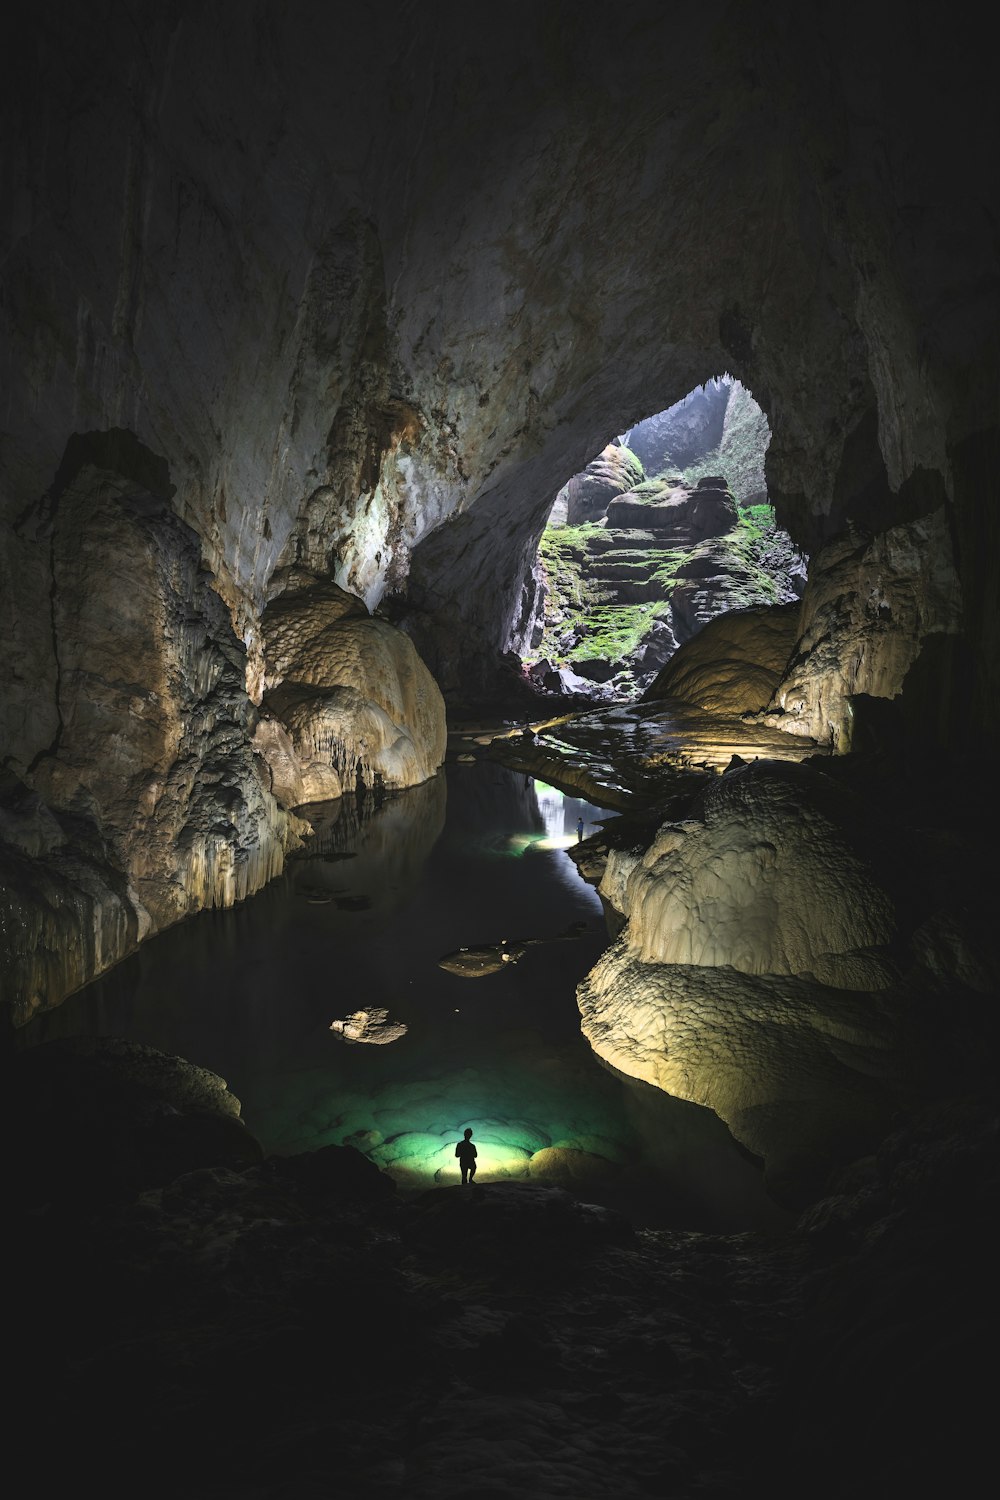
x,y
581,624
758,520
634,462
614,631
767,554
605,587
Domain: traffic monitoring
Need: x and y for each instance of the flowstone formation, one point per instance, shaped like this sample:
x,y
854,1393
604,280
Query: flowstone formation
x,y
348,704
780,965
877,610
735,662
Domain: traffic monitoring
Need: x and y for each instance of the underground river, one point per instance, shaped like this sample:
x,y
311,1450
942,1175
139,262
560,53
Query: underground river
x,y
475,856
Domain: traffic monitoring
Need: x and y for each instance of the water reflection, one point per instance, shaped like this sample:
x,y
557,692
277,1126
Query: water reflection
x,y
360,922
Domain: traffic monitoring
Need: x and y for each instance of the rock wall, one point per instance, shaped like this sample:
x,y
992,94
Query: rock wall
x,y
380,369
735,662
872,605
671,440
368,330
147,802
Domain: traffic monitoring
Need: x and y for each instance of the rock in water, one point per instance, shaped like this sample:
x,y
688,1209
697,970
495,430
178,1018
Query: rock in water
x,y
470,963
369,1026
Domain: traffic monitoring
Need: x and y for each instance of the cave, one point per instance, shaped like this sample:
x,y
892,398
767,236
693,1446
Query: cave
x,y
308,314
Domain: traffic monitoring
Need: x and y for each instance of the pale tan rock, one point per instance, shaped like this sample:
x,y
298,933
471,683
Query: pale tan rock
x,y
568,1166
151,757
352,695
734,663
799,1072
769,968
293,781
371,1026
778,878
868,607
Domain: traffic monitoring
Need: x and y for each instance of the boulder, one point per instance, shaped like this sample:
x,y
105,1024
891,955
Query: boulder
x,y
588,494
734,663
348,699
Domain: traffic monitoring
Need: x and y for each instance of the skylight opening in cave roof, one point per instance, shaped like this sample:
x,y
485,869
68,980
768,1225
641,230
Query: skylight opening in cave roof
x,y
668,526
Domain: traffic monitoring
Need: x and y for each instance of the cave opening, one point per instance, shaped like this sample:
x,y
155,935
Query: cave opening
x,y
667,527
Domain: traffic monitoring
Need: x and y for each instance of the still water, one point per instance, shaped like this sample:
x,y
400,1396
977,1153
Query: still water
x,y
473,857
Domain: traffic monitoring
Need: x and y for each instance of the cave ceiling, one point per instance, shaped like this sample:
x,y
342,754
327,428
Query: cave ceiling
x,y
373,284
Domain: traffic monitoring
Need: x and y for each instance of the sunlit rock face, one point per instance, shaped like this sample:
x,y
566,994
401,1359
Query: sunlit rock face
x,y
347,700
148,803
678,511
672,439
587,495
717,428
660,561
734,663
775,963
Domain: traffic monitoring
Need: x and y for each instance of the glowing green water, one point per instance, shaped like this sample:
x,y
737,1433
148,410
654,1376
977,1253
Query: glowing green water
x,y
470,858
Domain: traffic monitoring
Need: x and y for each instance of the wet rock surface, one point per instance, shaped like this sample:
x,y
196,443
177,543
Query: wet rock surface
x,y
371,1026
293,1325
630,755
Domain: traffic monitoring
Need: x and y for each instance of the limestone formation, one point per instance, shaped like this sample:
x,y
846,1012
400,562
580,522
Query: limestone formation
x,y
148,803
781,873
663,559
347,700
380,369
734,663
298,299
775,963
805,1075
389,389
871,606
671,440
370,1026
587,495
675,510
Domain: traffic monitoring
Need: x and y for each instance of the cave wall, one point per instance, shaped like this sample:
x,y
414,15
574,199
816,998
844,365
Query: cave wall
x,y
364,289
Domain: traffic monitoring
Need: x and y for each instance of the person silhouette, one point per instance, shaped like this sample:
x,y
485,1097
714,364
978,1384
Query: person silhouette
x,y
579,830
467,1153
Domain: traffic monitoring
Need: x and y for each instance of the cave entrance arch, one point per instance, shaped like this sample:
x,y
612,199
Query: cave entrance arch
x,y
667,527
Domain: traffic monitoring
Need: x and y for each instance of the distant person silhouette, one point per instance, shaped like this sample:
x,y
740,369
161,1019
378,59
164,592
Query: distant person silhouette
x,y
579,830
467,1153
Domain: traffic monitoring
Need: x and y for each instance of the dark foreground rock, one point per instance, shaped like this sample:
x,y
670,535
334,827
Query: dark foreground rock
x,y
295,1328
